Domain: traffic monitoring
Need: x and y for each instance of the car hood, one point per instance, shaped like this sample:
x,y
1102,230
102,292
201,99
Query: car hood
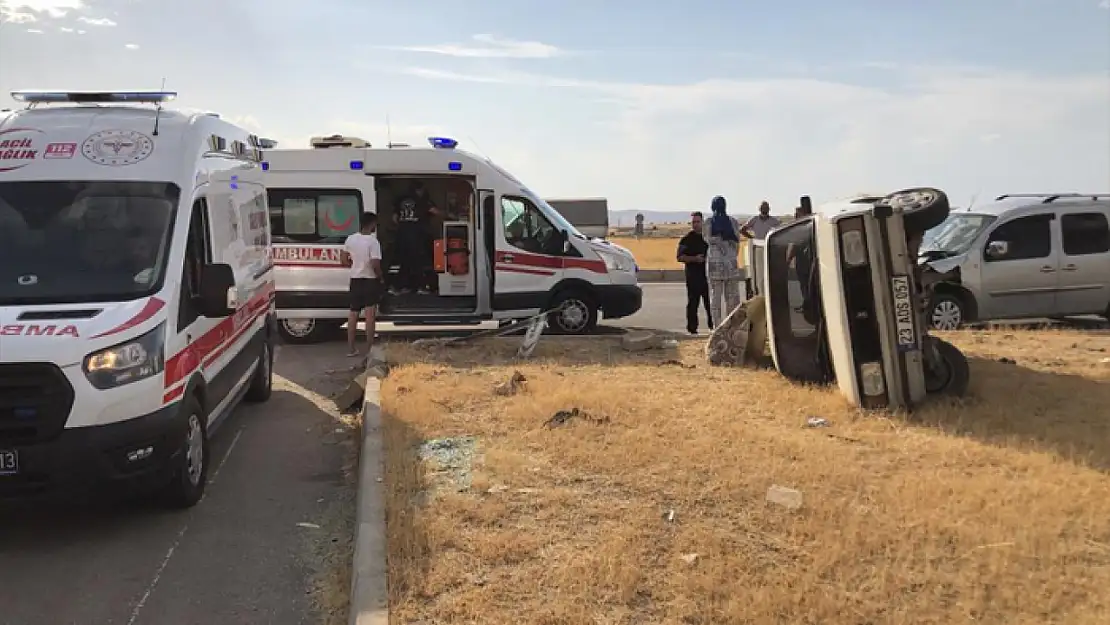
x,y
64,334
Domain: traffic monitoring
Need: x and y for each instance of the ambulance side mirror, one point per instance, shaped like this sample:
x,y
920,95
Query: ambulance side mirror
x,y
564,239
217,281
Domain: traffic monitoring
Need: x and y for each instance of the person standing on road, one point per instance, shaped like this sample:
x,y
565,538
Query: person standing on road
x,y
362,253
758,226
692,249
721,260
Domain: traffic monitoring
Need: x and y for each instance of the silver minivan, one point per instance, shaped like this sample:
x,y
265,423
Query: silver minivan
x,y
1020,256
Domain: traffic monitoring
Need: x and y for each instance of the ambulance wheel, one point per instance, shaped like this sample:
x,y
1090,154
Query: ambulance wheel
x,y
573,312
947,371
190,472
923,208
304,331
262,382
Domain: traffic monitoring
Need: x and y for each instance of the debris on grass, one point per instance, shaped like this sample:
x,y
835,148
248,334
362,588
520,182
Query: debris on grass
x,y
786,497
512,386
449,462
817,422
563,417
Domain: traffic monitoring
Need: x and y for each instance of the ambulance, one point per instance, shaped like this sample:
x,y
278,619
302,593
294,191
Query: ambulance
x,y
136,293
496,251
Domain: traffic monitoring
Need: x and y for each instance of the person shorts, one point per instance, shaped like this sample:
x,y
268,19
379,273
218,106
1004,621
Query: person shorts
x,y
365,293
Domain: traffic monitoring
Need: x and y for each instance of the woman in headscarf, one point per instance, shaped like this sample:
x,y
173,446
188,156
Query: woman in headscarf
x,y
721,231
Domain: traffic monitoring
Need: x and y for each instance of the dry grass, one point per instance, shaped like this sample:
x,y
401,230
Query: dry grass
x,y
657,252
994,510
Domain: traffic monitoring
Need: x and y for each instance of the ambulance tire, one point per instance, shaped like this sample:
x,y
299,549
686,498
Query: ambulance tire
x,y
923,208
305,331
573,311
262,382
190,473
953,376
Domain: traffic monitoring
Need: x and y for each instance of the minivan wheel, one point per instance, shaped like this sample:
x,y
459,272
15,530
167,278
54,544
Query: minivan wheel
x,y
262,382
946,312
573,312
303,331
923,208
190,473
947,371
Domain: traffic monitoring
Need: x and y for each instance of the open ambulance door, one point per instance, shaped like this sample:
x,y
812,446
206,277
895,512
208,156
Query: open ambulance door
x,y
484,268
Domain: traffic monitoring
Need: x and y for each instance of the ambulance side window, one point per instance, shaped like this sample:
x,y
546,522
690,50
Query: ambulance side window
x,y
197,253
525,227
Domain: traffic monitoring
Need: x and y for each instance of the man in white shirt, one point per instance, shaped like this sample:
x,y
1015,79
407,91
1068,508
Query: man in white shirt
x,y
363,254
757,227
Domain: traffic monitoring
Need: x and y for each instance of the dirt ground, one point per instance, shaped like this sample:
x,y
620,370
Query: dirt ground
x,y
657,252
605,487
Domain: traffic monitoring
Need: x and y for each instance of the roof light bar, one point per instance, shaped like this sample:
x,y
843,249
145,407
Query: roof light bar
x,y
93,97
443,143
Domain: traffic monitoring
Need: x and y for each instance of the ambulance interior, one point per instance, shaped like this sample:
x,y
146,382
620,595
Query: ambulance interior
x,y
447,280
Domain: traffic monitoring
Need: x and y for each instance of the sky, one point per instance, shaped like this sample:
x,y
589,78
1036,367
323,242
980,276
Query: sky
x,y
653,104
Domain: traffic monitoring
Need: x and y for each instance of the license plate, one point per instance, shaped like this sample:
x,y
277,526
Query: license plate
x,y
9,462
903,313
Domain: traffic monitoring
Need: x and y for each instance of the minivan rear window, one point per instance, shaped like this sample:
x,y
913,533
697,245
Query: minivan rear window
x,y
314,215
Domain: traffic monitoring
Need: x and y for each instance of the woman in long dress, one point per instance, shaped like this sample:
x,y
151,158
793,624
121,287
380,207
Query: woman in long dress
x,y
721,231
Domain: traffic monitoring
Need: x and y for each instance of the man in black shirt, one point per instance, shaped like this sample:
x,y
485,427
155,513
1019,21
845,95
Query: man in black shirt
x,y
691,252
411,213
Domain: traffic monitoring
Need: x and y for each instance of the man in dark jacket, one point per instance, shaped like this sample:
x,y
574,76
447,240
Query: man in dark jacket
x,y
691,252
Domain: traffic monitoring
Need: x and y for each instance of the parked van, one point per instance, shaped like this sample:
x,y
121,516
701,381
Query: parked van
x,y
136,292
499,251
1020,256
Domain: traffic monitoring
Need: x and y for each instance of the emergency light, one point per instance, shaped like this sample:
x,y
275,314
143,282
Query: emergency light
x,y
356,165
93,97
443,143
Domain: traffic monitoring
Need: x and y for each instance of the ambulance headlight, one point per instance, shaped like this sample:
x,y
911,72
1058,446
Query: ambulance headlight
x,y
616,262
135,360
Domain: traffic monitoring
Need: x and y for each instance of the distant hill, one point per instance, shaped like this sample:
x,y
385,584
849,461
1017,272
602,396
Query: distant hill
x,y
627,218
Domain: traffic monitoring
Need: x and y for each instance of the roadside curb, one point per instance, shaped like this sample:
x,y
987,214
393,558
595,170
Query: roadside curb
x,y
369,573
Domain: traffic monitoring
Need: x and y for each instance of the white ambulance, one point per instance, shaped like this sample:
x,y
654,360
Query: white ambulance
x,y
495,251
136,292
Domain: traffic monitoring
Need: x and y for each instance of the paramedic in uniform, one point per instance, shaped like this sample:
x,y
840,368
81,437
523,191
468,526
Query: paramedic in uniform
x,y
362,252
412,213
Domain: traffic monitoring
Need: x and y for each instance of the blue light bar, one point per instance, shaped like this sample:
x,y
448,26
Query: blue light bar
x,y
454,166
131,97
356,165
443,143
265,166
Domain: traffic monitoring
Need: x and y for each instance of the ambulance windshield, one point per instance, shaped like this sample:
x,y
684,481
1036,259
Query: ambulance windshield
x,y
69,242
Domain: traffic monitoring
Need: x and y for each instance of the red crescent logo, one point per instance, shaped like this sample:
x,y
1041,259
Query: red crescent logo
x,y
331,224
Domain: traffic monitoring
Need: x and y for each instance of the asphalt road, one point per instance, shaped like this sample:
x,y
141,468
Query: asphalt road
x,y
237,557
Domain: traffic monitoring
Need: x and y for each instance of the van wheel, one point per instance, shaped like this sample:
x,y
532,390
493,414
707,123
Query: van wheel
x,y
262,382
946,312
947,371
190,475
923,208
303,331
573,312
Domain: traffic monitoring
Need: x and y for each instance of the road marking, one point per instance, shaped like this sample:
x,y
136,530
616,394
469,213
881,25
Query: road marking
x,y
177,540
227,454
157,576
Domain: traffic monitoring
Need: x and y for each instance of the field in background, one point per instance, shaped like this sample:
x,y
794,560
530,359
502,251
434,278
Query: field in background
x,y
657,248
610,487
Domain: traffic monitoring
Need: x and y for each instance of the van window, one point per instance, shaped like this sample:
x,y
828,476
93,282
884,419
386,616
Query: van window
x,y
198,252
313,215
526,227
1085,233
64,242
1028,237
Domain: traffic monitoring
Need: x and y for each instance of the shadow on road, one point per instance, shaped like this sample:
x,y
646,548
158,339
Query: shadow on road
x,y
1014,406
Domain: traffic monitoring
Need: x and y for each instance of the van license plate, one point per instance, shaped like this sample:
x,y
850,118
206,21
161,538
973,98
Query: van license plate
x,y
9,462
903,313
